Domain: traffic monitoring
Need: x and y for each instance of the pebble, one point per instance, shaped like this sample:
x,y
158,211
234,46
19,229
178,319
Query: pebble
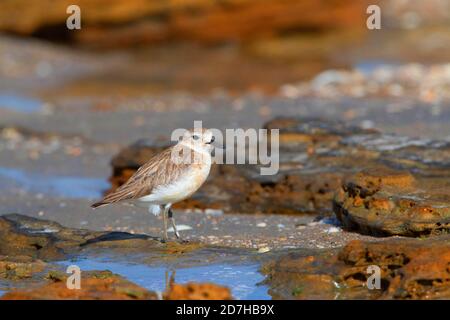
x,y
214,212
333,230
261,225
427,83
263,249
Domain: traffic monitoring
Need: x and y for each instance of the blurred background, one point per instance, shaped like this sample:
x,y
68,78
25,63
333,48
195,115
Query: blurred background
x,y
71,99
199,45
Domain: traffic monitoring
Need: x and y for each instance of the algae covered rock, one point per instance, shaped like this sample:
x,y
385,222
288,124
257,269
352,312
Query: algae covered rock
x,y
95,285
39,239
409,269
197,291
388,202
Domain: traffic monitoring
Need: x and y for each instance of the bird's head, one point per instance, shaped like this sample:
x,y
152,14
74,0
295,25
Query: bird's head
x,y
198,138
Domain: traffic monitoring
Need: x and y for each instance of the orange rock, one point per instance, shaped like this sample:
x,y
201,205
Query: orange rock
x,y
377,177
98,286
409,269
131,22
358,202
395,203
197,291
424,212
406,203
382,204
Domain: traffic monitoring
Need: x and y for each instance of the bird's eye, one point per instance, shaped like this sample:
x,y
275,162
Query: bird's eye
x,y
195,137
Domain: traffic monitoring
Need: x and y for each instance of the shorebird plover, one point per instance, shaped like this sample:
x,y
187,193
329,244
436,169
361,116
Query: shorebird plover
x,y
170,176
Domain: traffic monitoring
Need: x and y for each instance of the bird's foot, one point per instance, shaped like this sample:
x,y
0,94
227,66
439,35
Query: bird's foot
x,y
162,240
182,241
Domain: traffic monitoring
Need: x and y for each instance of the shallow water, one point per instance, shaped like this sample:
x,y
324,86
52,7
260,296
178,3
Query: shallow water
x,y
63,186
368,66
19,103
242,279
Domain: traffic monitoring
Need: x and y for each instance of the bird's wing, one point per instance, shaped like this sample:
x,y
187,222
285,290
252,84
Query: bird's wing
x,y
159,170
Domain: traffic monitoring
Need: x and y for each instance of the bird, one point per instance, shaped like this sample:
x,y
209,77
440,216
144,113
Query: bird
x,y
171,176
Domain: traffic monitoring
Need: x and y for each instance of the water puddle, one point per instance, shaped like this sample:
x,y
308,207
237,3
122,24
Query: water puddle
x,y
369,66
63,186
19,103
242,279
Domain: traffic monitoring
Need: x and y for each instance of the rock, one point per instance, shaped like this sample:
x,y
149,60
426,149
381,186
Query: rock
x,y
302,275
95,285
131,22
26,239
197,291
20,267
29,248
382,202
39,239
410,269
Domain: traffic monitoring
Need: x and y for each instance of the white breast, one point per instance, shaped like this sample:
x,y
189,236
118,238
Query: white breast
x,y
179,189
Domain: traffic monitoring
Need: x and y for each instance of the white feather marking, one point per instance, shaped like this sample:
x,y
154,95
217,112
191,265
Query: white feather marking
x,y
179,189
180,227
200,149
154,209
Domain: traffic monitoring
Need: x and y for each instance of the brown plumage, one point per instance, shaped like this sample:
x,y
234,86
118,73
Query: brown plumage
x,y
159,170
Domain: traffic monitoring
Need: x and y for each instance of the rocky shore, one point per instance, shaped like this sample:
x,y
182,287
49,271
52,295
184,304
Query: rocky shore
x,y
409,269
31,248
344,177
364,179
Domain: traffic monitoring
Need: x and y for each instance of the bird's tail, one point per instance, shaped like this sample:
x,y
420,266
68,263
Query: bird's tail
x,y
99,204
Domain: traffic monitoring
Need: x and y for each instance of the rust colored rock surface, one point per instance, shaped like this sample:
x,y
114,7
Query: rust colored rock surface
x,y
27,243
197,291
386,202
95,285
29,248
131,22
19,267
22,236
409,269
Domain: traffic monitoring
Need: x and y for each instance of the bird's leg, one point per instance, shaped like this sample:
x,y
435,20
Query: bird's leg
x,y
172,220
177,234
165,222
